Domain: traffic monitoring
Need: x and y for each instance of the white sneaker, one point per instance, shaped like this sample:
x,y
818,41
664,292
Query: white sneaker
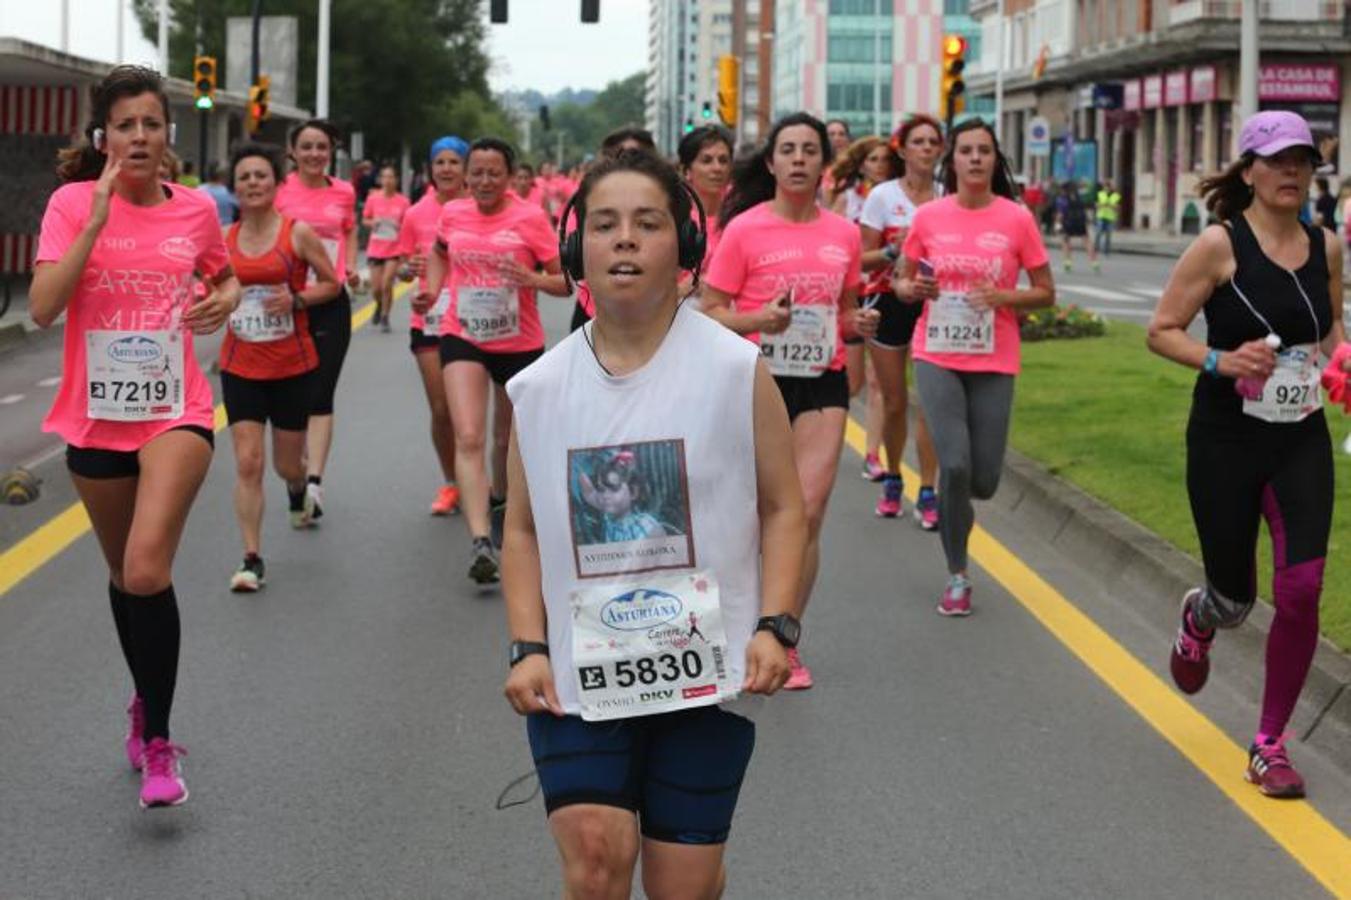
x,y
314,501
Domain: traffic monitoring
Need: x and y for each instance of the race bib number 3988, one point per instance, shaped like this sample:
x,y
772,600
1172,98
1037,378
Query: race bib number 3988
x,y
649,647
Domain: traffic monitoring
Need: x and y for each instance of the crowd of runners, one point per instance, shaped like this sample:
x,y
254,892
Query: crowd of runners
x,y
651,492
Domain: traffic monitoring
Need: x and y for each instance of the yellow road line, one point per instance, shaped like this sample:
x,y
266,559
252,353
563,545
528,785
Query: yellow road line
x,y
69,525
1313,841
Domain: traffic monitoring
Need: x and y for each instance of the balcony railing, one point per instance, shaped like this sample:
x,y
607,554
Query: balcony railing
x,y
1048,24
1271,10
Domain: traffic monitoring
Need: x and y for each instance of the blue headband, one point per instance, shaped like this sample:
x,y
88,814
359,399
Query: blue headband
x,y
458,146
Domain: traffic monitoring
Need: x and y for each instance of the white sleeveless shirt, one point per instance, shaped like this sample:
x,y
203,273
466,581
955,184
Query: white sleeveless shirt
x,y
650,473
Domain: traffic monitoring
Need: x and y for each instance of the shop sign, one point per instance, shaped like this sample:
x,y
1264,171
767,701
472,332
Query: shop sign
x,y
1175,88
1295,82
1203,84
1131,95
1153,91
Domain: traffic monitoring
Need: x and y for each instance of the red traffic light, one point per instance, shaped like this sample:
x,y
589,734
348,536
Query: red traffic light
x,y
954,45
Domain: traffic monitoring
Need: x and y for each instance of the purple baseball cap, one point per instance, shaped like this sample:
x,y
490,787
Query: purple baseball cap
x,y
1271,131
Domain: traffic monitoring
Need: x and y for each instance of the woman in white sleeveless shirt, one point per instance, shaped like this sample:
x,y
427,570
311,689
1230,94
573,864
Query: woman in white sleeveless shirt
x,y
653,545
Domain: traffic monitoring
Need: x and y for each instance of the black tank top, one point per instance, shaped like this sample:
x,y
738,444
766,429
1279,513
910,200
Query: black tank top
x,y
1295,305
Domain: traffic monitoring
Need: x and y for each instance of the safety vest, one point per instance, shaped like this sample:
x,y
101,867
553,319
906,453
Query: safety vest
x,y
1107,205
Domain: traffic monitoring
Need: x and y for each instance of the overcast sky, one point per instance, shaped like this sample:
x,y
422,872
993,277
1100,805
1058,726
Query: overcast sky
x,y
544,44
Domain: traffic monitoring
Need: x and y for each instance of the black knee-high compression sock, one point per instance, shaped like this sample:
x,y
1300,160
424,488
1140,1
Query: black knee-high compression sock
x,y
154,640
119,600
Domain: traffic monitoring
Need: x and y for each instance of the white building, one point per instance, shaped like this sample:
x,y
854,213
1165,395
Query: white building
x,y
684,40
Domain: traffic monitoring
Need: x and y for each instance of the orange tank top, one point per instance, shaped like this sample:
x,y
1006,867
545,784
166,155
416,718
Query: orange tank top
x,y
257,344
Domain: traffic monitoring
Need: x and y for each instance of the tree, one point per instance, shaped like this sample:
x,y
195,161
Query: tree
x,y
395,64
583,126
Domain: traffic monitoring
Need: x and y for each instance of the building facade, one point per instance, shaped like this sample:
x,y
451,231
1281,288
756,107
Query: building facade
x,y
685,38
868,62
1143,92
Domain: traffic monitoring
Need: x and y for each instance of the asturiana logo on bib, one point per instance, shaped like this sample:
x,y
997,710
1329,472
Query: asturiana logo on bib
x,y
180,249
640,609
135,349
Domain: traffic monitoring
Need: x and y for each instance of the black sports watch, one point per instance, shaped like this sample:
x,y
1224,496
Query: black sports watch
x,y
784,626
519,650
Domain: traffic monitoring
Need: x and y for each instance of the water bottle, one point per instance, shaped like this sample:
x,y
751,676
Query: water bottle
x,y
1250,388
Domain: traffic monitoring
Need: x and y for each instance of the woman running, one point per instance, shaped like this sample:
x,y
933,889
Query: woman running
x,y
327,205
416,240
705,156
119,253
488,249
1257,440
885,222
268,358
383,213
963,254
786,275
615,431
867,163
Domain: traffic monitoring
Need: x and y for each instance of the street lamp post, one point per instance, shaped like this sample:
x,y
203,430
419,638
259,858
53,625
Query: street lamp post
x,y
1247,69
321,77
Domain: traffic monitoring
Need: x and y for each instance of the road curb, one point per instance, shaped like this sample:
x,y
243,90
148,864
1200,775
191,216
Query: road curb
x,y
1136,563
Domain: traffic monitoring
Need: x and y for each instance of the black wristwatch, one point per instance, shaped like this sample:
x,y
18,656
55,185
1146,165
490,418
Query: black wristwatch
x,y
784,626
519,650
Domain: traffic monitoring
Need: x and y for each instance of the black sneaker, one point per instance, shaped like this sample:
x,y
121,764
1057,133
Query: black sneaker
x,y
484,569
497,513
249,578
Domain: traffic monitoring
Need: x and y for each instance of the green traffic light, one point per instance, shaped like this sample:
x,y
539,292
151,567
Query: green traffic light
x,y
205,103
708,113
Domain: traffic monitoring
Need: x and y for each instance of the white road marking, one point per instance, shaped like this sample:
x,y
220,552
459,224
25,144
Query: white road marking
x,y
10,399
50,382
1102,293
1116,312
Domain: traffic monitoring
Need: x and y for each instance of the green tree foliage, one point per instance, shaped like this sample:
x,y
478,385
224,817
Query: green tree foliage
x,y
583,126
398,68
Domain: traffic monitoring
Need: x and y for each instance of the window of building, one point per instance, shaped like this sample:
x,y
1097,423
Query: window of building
x,y
1196,115
844,97
857,48
860,7
956,7
1224,147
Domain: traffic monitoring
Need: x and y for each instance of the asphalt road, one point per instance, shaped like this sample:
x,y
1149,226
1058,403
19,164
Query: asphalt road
x,y
348,736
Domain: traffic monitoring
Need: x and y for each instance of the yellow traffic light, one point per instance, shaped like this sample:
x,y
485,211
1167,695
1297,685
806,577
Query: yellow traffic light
x,y
258,101
729,89
952,93
204,82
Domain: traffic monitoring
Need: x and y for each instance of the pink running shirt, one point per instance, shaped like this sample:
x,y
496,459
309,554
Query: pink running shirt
x,y
967,246
139,277
761,257
488,308
417,236
330,211
384,215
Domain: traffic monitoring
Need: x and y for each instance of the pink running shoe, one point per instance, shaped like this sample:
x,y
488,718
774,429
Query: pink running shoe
x,y
799,676
161,782
1269,768
956,600
136,732
926,509
872,468
1190,660
447,500
889,504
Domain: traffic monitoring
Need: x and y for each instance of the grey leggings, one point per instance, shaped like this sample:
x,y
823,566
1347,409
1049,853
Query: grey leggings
x,y
968,415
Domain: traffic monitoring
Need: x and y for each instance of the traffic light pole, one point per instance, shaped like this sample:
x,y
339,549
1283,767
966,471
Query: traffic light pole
x,y
255,66
999,72
203,122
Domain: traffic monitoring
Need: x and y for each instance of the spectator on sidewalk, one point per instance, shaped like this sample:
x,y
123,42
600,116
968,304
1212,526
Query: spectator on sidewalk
x,y
1108,207
1071,217
1325,206
189,177
227,207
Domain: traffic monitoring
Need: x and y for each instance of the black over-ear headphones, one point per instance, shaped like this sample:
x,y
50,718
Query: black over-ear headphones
x,y
691,239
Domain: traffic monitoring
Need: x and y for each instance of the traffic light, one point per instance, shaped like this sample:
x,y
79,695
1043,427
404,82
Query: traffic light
x,y
204,82
497,12
544,117
707,111
729,89
952,99
689,125
590,11
258,100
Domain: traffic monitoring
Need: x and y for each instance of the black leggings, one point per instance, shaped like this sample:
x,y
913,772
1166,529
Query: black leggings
x,y
331,328
1235,477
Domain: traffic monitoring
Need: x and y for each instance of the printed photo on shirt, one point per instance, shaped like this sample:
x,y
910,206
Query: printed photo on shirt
x,y
630,508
